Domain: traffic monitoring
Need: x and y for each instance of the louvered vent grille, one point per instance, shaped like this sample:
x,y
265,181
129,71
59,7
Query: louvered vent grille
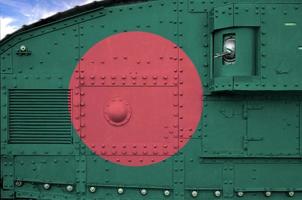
x,y
39,116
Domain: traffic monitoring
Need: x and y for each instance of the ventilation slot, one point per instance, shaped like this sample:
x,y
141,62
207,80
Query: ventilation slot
x,y
39,117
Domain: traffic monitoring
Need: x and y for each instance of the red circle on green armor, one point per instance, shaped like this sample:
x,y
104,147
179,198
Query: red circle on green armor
x,y
136,98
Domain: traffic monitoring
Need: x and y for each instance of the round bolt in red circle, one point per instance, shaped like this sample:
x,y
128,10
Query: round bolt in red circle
x,y
144,102
117,112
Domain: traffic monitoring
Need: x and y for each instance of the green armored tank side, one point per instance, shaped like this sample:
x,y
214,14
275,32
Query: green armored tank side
x,y
158,99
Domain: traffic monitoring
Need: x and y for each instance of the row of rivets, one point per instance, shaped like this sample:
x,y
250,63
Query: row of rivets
x,y
241,194
216,193
46,186
143,192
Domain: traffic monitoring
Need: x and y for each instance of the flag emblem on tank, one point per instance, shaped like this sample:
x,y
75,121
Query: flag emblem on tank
x,y
137,98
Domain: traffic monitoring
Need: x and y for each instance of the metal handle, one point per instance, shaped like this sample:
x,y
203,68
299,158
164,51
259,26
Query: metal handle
x,y
218,55
229,50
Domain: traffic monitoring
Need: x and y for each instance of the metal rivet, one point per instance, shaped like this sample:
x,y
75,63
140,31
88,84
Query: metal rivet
x,y
268,194
291,193
69,188
194,193
22,48
120,190
143,192
240,194
166,192
46,186
18,183
92,189
217,193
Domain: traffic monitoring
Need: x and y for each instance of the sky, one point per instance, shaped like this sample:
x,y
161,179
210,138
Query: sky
x,y
15,13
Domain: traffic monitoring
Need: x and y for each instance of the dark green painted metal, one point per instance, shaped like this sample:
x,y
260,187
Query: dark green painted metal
x,y
248,141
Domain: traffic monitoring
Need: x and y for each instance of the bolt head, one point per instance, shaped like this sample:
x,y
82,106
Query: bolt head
x,y
194,193
240,194
166,192
18,183
217,193
291,193
268,194
46,186
143,192
120,190
92,189
23,48
69,188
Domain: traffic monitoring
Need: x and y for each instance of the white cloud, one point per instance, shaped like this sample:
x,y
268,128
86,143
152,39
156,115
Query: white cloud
x,y
43,10
37,12
13,3
6,26
33,13
89,1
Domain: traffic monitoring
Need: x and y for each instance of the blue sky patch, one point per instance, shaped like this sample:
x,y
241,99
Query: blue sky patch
x,y
15,13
